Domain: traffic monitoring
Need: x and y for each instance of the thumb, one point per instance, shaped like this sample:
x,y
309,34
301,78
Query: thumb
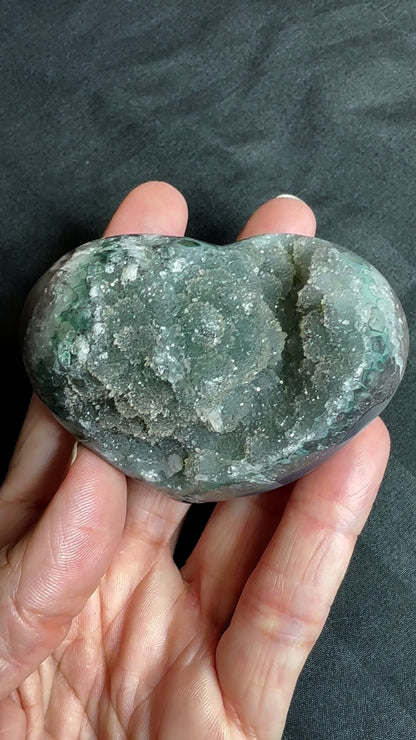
x,y
47,578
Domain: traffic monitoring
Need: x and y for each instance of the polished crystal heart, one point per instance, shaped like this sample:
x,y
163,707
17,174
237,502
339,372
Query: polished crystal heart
x,y
210,371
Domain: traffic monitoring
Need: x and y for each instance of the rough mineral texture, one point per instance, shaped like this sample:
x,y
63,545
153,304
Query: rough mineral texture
x,y
214,371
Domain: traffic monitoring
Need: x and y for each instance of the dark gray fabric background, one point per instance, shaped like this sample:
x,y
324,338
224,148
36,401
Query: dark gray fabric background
x,y
234,102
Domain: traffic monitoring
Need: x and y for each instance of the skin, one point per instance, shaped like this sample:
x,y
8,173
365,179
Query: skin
x,y
102,636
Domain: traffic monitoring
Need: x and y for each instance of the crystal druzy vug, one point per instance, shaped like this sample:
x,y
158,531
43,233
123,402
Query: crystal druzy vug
x,y
214,371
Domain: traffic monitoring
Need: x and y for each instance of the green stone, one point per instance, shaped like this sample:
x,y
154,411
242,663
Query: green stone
x,y
210,371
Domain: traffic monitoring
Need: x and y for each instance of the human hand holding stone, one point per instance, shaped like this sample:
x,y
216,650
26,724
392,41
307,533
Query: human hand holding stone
x,y
101,634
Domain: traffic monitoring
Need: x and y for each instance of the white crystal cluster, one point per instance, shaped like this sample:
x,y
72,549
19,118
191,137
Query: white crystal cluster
x,y
214,371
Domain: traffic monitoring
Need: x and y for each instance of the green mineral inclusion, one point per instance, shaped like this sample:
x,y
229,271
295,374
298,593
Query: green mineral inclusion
x,y
214,371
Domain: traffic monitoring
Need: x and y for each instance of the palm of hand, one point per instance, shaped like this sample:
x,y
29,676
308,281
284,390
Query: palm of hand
x,y
102,636
141,659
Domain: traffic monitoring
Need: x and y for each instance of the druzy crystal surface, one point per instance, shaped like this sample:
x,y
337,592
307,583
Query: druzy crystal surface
x,y
214,371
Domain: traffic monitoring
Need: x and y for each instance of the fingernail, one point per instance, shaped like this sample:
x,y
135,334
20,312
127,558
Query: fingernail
x,y
288,195
74,454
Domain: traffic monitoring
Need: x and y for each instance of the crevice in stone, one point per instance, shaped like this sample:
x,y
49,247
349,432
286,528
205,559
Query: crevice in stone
x,y
290,318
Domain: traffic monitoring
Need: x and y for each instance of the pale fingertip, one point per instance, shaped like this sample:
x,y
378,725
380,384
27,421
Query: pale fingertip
x,y
154,207
281,215
379,428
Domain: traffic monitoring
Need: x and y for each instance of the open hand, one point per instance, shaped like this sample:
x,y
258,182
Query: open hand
x,y
102,636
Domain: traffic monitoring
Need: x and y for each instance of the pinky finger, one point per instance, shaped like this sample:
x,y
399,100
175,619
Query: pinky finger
x,y
287,598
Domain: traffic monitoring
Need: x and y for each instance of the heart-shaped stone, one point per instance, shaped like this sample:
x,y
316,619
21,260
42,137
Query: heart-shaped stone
x,y
209,371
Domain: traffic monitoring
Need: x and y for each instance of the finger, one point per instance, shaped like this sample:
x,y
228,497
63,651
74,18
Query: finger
x,y
239,530
43,450
37,468
228,550
287,598
151,208
12,721
47,578
152,518
284,215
